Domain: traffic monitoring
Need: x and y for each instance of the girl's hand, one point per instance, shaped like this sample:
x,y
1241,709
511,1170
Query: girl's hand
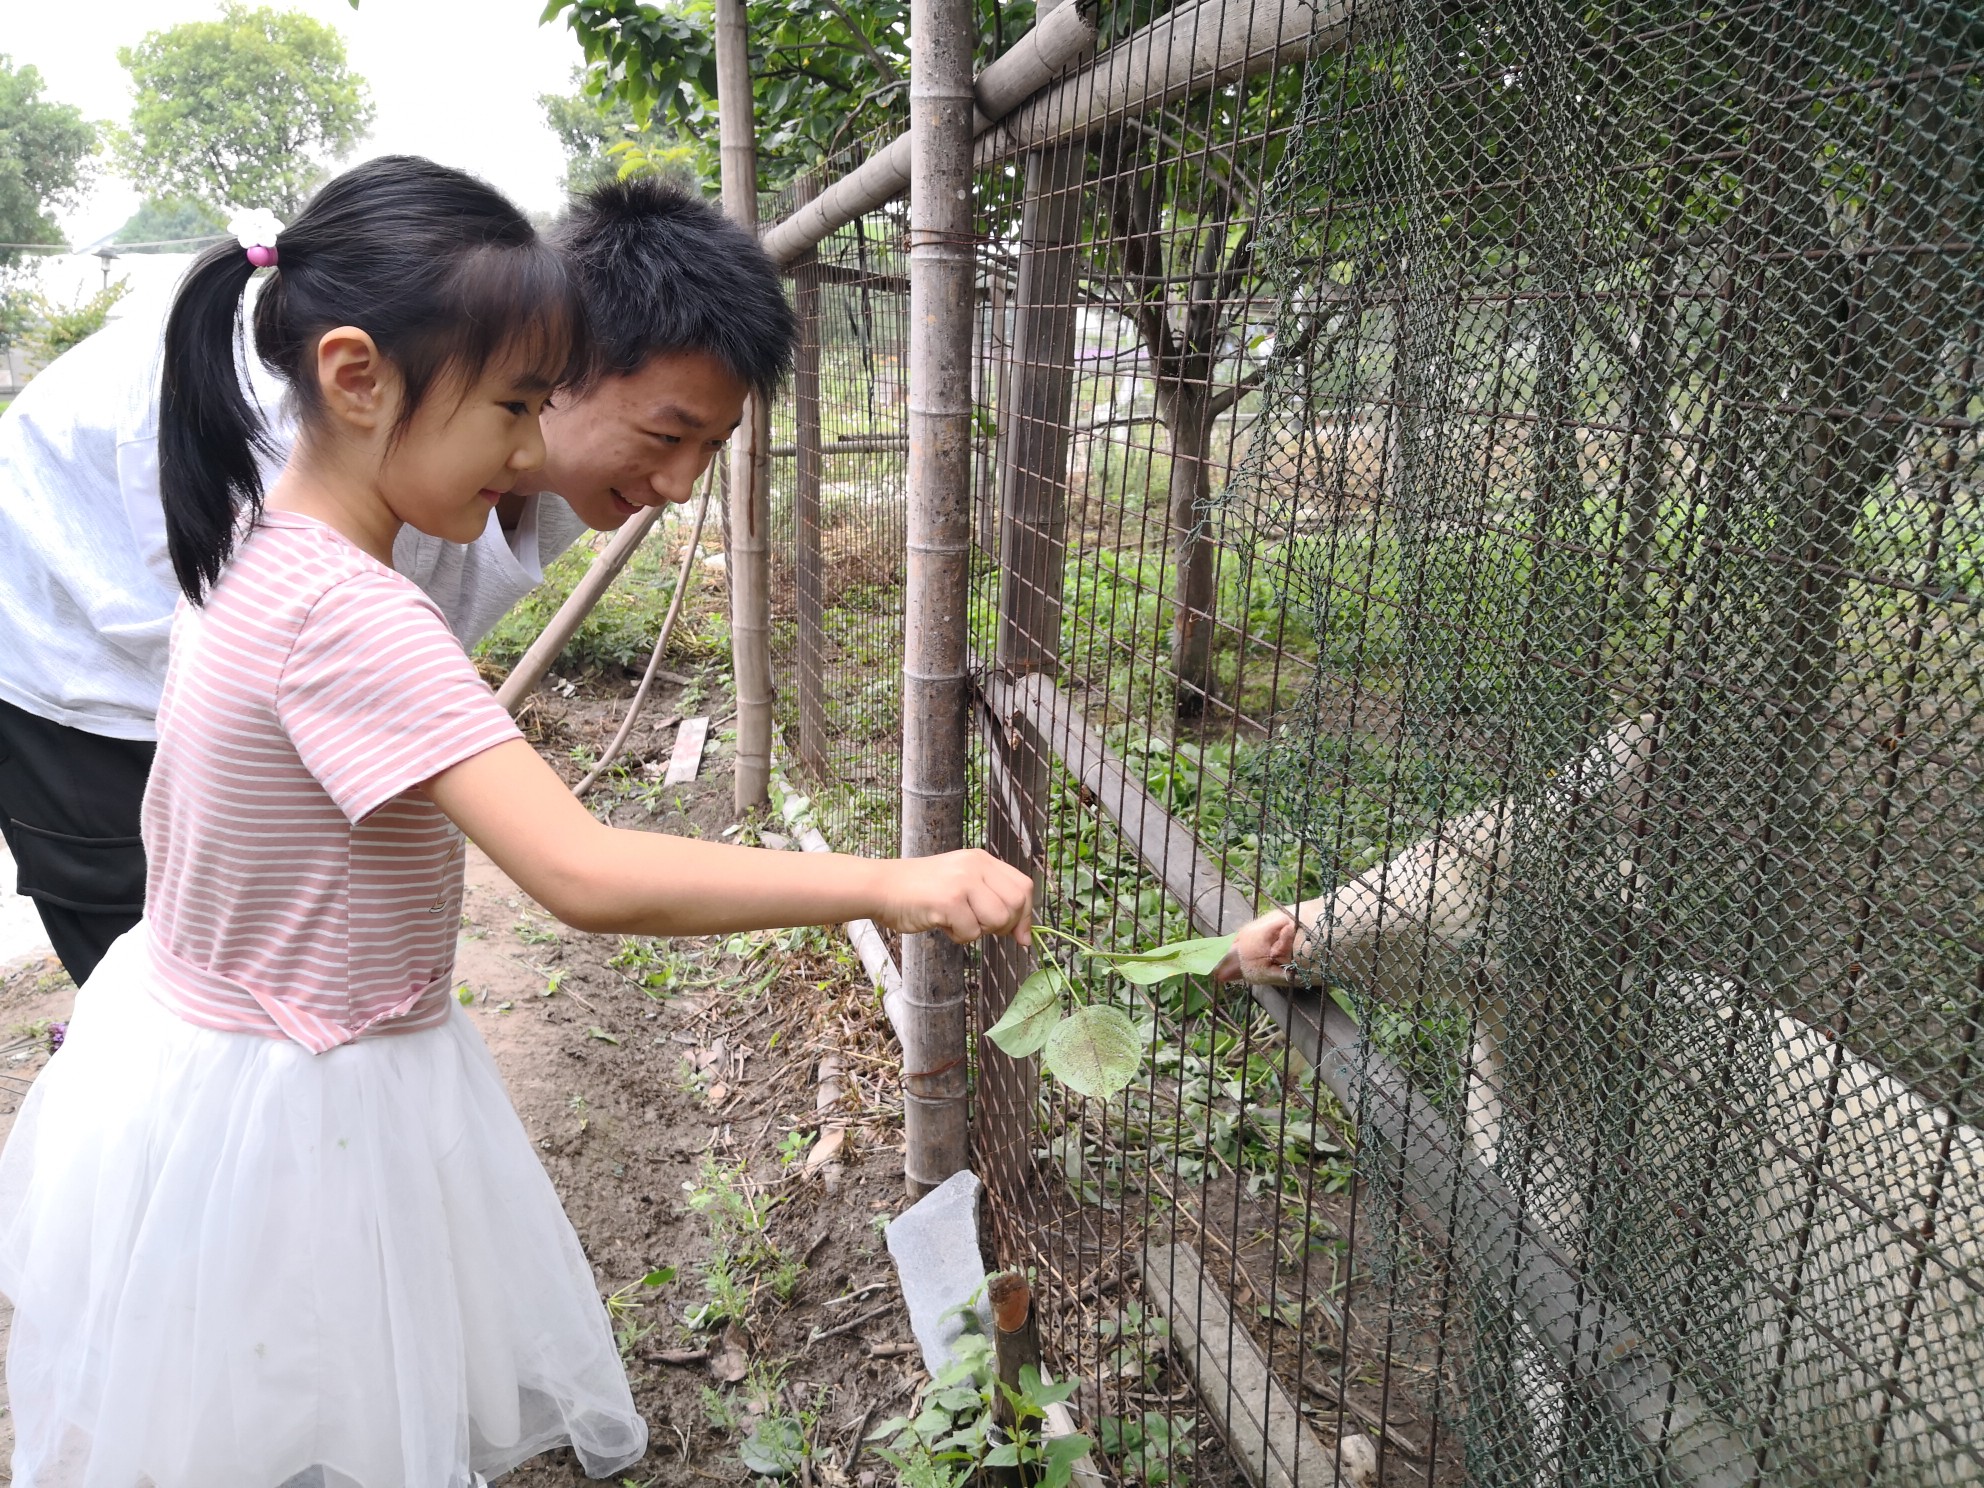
x,y
964,894
1262,949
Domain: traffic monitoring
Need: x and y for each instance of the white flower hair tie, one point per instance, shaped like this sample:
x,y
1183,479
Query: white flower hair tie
x,y
255,230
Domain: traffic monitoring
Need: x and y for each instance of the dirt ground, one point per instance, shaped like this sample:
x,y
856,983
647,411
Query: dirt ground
x,y
672,1089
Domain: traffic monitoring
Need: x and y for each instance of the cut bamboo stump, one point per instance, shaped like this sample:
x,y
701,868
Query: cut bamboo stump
x,y
1015,1345
1260,1421
530,671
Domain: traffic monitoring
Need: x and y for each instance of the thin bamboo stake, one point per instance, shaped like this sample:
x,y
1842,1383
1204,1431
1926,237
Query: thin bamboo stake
x,y
750,550
1059,38
808,566
684,577
941,264
530,670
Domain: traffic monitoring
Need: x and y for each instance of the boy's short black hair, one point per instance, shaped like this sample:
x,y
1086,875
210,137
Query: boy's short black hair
x,y
662,270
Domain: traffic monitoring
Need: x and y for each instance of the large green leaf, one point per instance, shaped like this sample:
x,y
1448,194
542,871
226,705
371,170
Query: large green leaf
x,y
1094,1051
1032,1014
775,1447
1180,958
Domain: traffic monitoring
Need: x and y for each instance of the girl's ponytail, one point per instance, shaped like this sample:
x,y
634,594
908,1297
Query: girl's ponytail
x,y
209,432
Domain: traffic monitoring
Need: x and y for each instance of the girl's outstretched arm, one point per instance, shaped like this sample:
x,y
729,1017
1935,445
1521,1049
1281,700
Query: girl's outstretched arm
x,y
598,878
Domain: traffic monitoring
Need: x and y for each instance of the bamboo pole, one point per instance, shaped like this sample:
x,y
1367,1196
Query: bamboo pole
x,y
1183,52
807,563
1035,408
1057,39
530,669
750,549
941,264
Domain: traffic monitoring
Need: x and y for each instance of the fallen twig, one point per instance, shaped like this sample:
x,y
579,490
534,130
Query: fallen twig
x,y
854,1322
855,1447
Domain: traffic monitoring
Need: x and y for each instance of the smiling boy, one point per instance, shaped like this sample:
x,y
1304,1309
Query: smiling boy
x,y
689,318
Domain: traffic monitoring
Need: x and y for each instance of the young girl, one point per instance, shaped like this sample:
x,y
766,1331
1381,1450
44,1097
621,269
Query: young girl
x,y
269,1218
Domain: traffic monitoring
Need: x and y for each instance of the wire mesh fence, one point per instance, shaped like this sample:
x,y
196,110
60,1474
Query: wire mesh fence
x,y
838,531
1501,484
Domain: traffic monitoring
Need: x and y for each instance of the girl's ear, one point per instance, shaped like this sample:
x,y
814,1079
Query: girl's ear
x,y
356,382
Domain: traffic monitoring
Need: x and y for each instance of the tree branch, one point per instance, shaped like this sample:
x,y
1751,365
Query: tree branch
x,y
862,40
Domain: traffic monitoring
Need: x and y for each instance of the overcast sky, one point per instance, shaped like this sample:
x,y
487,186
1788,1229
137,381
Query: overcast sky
x,y
455,80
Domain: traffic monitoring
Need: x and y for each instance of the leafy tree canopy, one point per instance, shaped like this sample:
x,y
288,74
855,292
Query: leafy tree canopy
x,y
171,219
603,143
45,158
824,73
245,111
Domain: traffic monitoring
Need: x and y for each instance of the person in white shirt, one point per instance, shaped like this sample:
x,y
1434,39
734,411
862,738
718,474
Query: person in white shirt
x,y
688,316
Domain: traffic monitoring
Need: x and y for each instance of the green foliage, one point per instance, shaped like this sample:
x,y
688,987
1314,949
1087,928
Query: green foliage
x,y
1095,1050
246,111
625,1305
46,152
775,1446
602,142
1148,1448
742,1257
17,297
952,1433
52,329
824,73
621,629
170,220
1033,1012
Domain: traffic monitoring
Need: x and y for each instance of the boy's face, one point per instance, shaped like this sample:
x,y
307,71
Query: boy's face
x,y
638,440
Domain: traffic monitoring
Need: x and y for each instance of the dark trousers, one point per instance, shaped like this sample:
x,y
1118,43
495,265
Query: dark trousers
x,y
69,805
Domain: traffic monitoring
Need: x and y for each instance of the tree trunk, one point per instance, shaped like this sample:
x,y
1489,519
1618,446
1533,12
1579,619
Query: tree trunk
x,y
1188,419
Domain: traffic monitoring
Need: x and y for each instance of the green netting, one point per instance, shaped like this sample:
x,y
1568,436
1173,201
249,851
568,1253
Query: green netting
x,y
1620,444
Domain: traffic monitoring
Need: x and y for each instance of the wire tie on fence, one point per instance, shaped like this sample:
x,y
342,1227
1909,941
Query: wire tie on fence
x,y
942,1069
924,237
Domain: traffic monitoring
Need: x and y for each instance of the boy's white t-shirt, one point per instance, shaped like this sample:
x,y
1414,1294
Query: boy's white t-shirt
x,y
86,586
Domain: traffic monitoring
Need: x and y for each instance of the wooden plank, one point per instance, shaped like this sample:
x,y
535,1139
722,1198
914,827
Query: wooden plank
x,y
1260,1421
687,759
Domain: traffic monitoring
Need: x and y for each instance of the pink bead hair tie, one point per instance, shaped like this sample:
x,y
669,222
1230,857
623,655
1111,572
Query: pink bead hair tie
x,y
255,230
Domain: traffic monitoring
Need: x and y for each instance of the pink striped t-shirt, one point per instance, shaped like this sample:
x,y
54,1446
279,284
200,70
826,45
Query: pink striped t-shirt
x,y
297,886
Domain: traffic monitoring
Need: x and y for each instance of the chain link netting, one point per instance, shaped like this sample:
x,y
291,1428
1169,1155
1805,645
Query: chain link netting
x,y
1503,484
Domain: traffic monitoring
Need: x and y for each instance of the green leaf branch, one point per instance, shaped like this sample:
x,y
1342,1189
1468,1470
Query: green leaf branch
x,y
1093,1048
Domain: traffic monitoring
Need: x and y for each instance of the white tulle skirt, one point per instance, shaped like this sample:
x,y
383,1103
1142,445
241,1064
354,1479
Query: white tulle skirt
x,y
235,1264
